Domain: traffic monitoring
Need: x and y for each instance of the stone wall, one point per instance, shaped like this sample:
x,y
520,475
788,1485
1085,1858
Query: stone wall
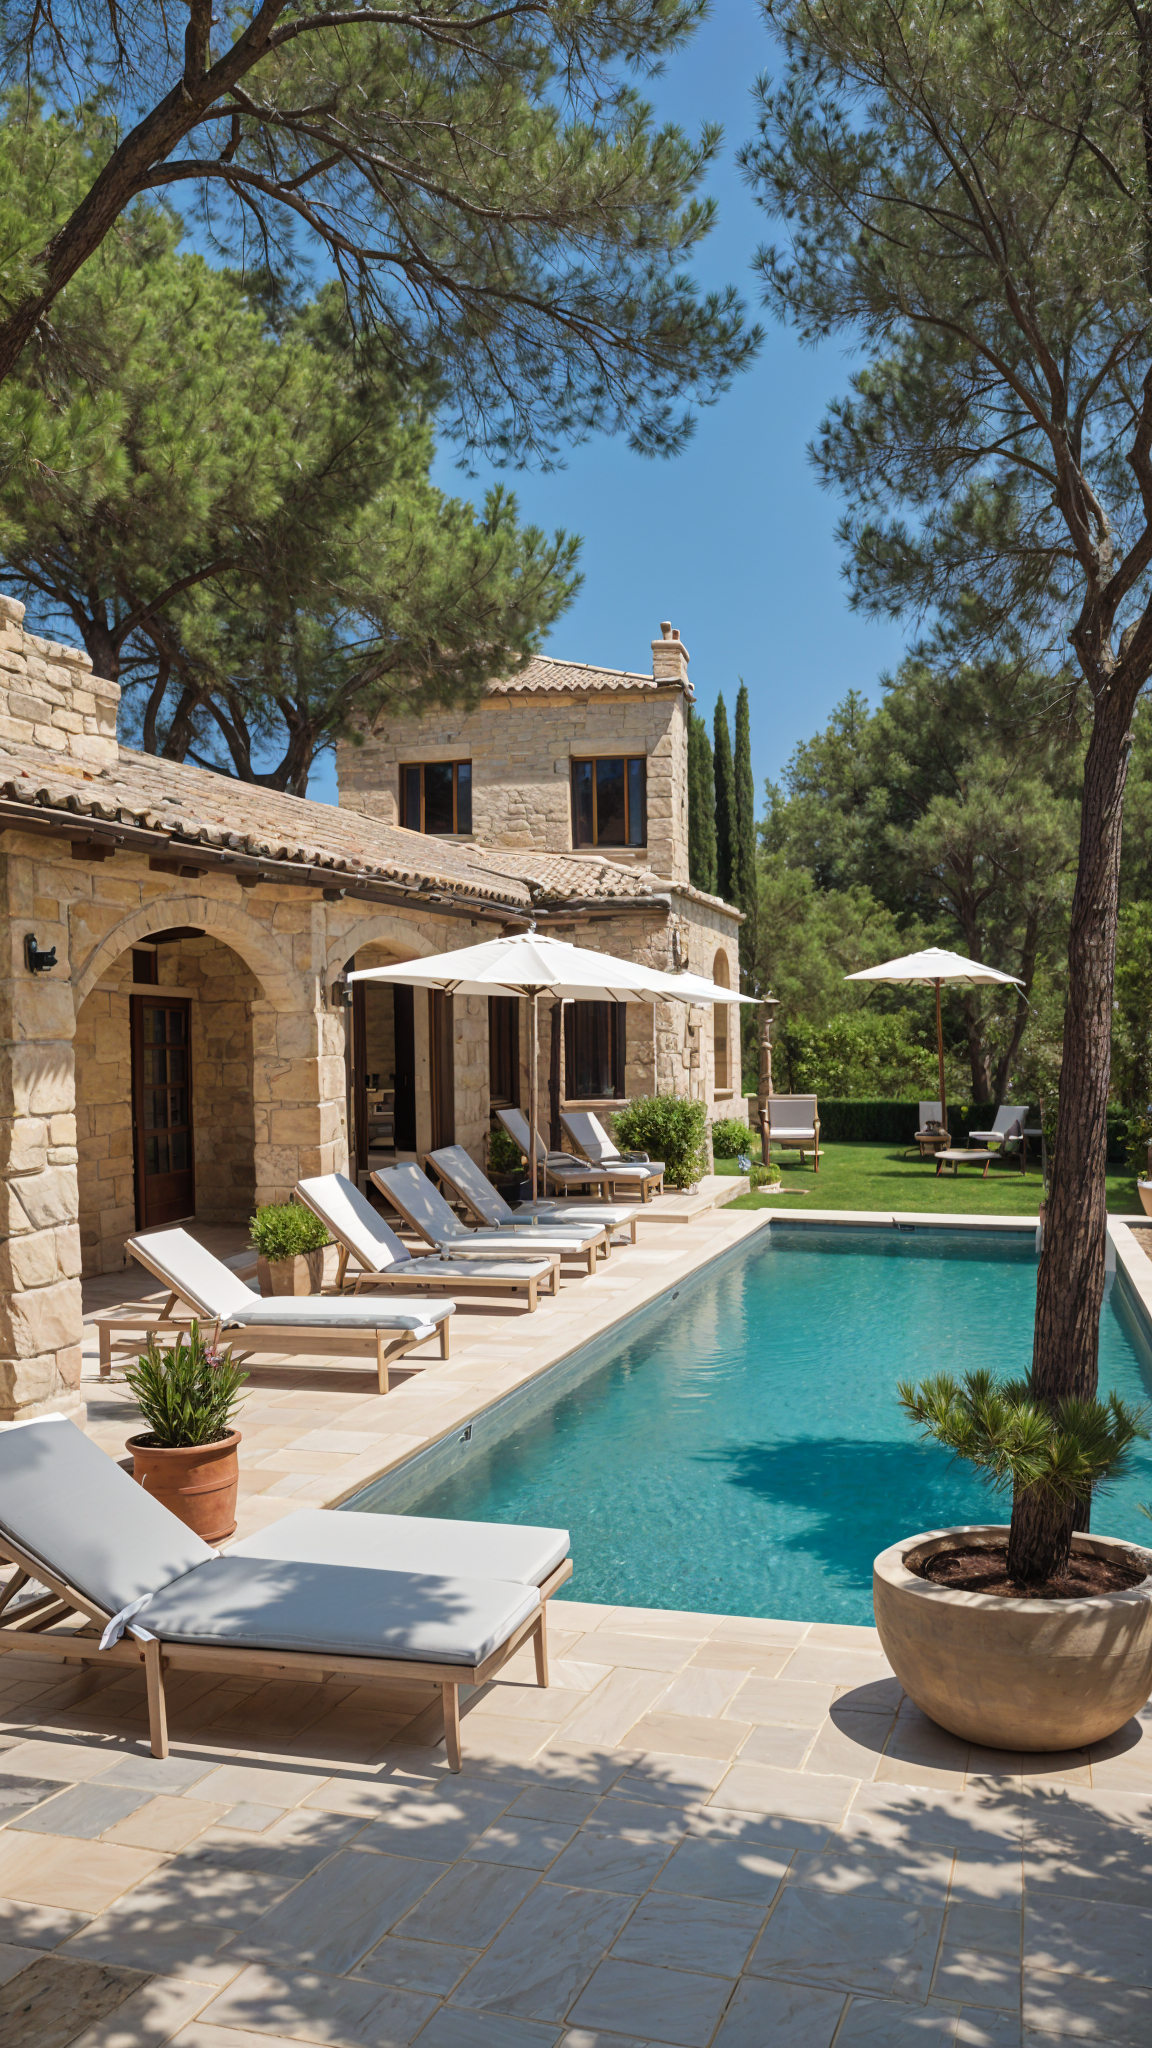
x,y
49,696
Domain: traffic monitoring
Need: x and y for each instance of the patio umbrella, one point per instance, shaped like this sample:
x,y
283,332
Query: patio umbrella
x,y
932,968
532,964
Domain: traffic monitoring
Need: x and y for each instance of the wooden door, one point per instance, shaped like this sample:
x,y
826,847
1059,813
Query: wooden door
x,y
405,1107
441,1046
162,1110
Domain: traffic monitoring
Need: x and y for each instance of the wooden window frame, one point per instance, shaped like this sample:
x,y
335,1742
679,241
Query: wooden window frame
x,y
617,1024
405,769
593,761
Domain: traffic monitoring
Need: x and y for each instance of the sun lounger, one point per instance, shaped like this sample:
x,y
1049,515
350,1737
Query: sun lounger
x,y
459,1172
384,1261
793,1121
105,1574
1007,1130
565,1170
426,1212
287,1323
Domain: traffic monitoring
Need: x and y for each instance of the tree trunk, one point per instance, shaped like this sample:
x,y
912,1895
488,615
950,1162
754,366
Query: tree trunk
x,y
1040,1538
1070,1287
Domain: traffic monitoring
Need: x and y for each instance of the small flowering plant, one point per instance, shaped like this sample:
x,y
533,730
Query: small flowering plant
x,y
186,1394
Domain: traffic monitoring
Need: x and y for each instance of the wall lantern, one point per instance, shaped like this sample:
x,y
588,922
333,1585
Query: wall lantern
x,y
39,960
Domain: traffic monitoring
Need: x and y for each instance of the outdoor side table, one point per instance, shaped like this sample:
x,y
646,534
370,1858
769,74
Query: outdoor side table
x,y
931,1142
957,1155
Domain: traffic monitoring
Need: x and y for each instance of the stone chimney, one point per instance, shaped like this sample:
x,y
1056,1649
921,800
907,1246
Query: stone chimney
x,y
50,698
670,659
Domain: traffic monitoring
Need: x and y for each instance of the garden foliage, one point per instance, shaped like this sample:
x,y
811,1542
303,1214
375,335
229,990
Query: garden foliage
x,y
667,1127
284,1229
187,1394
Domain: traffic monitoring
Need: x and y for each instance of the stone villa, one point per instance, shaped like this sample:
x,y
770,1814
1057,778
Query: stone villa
x,y
193,1048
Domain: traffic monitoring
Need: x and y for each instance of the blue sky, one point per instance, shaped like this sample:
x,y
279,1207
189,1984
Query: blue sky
x,y
732,541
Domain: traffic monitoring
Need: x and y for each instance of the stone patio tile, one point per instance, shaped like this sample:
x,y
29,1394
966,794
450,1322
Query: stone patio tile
x,y
758,1788
439,1828
13,1960
881,2023
150,2016
689,1735
577,1675
763,1660
998,1884
39,1927
290,1848
713,1936
700,1689
786,2015
166,1822
981,1976
20,1795
500,1738
159,1774
602,1861
975,1925
663,1621
800,1703
430,1966
670,2005
784,1748
331,1920
769,1832
875,1696
743,1628
579,1765
534,1844
980,1824
234,1784
595,2037
914,1875
469,1904
366,1797
671,1780
850,1944
1109,1939
829,1663
722,1870
71,1762
543,1802
987,2029
452,2028
849,1743
634,1652
528,1702
83,1811
1057,2003
848,1635
546,1954
312,2006
606,1715
178,1924
642,1820
249,1818
57,1870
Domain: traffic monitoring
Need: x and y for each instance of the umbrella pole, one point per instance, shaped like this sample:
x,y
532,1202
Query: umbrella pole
x,y
940,1057
534,1079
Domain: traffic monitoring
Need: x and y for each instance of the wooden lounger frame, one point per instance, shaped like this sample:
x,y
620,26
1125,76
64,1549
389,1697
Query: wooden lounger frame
x,y
461,1195
458,1248
30,1632
588,1170
451,1283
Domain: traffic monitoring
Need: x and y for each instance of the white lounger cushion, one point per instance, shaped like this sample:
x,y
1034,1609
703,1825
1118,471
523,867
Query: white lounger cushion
x,y
461,1170
202,1280
593,1140
67,1503
410,1543
277,1604
416,1198
347,1214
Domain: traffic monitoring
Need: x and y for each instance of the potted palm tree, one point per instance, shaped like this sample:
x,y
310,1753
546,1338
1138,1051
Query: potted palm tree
x,y
187,1454
290,1243
1023,1636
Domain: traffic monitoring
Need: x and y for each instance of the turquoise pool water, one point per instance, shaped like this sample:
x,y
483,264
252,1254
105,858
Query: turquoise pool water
x,y
743,1451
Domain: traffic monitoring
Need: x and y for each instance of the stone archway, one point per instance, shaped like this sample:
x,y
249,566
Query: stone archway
x,y
255,944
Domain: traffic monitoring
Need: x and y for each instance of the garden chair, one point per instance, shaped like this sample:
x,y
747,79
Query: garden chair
x,y
1007,1131
295,1324
793,1121
383,1261
426,1212
103,1573
930,1142
459,1172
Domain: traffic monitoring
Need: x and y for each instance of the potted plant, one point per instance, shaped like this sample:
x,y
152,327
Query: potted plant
x,y
505,1165
1023,1636
290,1243
187,1454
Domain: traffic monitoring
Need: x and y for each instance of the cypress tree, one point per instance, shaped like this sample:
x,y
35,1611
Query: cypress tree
x,y
725,778
744,848
701,807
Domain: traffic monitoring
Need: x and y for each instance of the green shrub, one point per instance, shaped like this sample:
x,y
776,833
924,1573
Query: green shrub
x,y
187,1394
283,1229
763,1176
504,1154
668,1128
730,1137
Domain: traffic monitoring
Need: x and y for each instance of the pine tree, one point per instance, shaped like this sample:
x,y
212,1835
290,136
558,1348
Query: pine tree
x,y
744,837
701,806
725,779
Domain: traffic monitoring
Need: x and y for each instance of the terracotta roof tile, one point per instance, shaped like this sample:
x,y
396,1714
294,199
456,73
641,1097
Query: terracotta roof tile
x,y
548,674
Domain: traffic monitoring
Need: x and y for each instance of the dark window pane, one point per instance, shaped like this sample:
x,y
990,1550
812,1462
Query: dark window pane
x,y
464,796
178,1105
410,798
609,803
438,796
582,834
179,1145
155,1066
155,1109
176,1068
589,1050
637,803
153,1026
156,1155
144,966
176,1020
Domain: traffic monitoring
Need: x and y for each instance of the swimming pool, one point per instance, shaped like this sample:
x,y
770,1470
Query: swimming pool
x,y
740,1449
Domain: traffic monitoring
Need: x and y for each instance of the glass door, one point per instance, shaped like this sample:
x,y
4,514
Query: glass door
x,y
162,1111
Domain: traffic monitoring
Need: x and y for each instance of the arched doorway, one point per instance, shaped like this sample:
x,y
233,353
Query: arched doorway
x,y
381,1064
721,1037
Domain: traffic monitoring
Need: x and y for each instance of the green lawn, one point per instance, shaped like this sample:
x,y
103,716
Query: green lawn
x,y
878,1177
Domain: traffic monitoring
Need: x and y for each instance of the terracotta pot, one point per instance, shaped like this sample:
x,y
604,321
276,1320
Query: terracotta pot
x,y
197,1484
1015,1674
303,1273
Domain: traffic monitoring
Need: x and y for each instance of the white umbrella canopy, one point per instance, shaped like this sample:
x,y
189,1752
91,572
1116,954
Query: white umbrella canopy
x,y
533,964
931,969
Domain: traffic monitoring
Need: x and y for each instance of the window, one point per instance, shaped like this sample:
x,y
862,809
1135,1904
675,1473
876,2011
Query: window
x,y
504,1051
610,802
594,1050
436,796
144,966
720,1019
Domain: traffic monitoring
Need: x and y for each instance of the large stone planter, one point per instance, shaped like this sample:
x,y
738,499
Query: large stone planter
x,y
198,1483
1144,1190
303,1273
1015,1674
